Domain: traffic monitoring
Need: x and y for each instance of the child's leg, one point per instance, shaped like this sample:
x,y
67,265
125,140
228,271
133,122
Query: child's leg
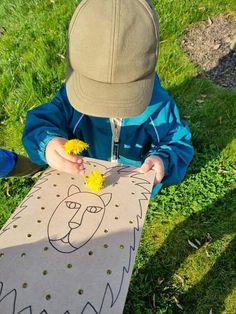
x,y
24,167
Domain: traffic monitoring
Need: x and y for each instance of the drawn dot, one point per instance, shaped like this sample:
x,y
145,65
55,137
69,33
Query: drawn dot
x,y
72,178
25,285
54,185
81,291
45,272
117,205
133,193
58,174
38,197
122,246
90,252
23,254
69,266
58,195
45,248
131,221
105,246
39,221
15,226
1,254
29,235
95,166
109,272
42,208
106,231
133,181
48,297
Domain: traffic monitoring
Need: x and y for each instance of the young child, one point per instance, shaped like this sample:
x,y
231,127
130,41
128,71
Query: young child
x,y
112,99
13,165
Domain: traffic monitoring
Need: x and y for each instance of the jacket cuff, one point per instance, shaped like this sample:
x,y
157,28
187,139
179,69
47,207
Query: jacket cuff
x,y
43,145
165,158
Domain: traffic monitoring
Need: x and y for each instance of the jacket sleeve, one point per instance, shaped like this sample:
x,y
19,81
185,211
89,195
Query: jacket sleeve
x,y
46,122
7,162
171,141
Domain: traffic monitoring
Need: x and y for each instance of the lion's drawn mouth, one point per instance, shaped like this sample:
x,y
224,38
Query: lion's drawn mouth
x,y
65,239
63,244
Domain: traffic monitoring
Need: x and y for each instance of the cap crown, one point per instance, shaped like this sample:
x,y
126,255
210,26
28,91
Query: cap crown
x,y
113,41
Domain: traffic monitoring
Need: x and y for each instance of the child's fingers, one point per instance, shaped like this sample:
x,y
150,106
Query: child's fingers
x,y
156,164
70,157
65,165
146,166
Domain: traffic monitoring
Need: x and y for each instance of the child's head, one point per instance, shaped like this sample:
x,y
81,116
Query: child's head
x,y
112,53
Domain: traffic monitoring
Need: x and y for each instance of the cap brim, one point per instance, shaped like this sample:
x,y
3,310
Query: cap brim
x,y
108,100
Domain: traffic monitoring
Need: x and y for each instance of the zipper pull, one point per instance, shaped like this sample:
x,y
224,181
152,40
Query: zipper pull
x,y
116,125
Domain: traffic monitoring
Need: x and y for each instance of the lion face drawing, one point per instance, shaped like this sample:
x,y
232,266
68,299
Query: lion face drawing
x,y
80,220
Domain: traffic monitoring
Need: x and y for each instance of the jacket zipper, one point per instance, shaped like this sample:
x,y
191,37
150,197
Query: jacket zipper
x,y
115,128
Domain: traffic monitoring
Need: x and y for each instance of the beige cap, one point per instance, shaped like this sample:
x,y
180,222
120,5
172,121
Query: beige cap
x,y
112,53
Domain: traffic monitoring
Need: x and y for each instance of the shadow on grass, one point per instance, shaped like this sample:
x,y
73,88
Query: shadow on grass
x,y
210,112
155,288
157,277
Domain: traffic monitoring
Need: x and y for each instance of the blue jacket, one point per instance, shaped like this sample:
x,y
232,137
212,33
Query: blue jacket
x,y
7,162
157,131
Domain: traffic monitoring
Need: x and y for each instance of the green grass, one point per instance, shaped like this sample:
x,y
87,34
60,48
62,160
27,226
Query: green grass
x,y
169,273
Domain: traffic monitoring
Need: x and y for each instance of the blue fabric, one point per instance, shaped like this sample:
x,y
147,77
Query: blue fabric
x,y
157,131
7,162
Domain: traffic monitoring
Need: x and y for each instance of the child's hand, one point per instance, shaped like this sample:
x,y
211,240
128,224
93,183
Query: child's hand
x,y
153,163
58,159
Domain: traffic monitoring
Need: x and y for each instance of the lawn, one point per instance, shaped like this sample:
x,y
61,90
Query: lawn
x,y
187,256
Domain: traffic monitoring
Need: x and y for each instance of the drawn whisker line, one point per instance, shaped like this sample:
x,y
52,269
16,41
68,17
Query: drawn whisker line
x,y
23,205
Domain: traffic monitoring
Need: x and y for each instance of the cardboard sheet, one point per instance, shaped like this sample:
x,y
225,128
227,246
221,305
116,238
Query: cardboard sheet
x,y
67,250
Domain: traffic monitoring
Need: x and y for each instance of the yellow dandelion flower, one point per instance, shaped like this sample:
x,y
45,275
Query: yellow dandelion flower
x,y
94,181
75,146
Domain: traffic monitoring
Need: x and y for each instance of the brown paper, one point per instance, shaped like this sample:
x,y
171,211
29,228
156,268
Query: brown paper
x,y
67,250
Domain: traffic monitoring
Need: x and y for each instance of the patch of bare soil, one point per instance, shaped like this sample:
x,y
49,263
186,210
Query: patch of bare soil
x,y
208,46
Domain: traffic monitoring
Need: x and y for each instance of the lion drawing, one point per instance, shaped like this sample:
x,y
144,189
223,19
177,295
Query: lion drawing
x,y
74,251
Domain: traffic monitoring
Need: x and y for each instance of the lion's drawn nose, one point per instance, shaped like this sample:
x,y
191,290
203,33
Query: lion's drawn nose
x,y
73,225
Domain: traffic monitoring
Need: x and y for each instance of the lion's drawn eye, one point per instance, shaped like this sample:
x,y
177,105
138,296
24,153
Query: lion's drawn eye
x,y
73,205
94,209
